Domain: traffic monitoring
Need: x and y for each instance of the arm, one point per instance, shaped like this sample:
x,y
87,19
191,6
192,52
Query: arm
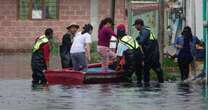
x,y
178,46
88,41
46,54
142,52
88,55
178,42
47,64
111,32
143,36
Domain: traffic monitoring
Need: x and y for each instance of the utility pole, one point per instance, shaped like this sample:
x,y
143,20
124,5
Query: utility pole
x,y
112,10
129,13
161,28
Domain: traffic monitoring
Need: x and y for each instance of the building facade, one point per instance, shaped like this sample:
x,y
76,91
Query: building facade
x,y
21,21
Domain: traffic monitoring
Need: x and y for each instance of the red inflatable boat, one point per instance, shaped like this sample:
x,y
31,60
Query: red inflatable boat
x,y
93,75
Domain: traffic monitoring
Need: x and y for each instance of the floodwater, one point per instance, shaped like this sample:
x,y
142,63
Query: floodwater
x,y
16,93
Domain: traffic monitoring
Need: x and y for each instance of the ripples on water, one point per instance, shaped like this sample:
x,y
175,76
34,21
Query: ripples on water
x,y
18,95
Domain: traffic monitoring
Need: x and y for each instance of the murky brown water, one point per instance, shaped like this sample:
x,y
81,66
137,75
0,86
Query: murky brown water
x,y
16,92
17,65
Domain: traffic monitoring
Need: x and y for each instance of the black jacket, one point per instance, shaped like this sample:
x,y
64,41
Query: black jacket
x,y
65,51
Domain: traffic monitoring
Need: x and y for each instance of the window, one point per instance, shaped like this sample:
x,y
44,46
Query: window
x,y
38,9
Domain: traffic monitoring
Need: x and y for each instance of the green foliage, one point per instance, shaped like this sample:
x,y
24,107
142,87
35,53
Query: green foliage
x,y
167,76
169,62
94,46
95,57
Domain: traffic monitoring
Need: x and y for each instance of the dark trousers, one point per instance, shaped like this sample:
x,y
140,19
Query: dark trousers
x,y
66,61
133,65
155,65
128,71
158,71
184,69
38,76
79,61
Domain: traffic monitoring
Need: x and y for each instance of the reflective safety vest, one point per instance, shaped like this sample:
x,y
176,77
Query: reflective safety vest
x,y
41,40
130,42
152,35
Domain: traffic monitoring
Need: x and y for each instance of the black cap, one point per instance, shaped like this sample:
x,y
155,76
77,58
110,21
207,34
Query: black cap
x,y
138,21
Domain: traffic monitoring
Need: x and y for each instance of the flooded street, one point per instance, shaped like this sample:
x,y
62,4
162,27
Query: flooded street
x,y
16,93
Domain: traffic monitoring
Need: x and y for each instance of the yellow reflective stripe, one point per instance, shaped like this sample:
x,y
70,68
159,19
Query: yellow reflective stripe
x,y
41,40
152,35
132,43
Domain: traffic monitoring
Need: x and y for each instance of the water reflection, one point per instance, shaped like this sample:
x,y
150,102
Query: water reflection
x,y
125,96
170,96
17,65
18,94
204,90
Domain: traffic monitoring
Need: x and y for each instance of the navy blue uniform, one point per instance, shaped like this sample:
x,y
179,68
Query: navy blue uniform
x,y
150,47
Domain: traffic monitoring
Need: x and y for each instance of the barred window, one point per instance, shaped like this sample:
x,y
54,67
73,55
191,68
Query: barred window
x,y
38,9
23,9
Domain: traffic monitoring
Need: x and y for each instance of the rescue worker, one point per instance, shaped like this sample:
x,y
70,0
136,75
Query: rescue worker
x,y
129,51
40,57
150,46
67,39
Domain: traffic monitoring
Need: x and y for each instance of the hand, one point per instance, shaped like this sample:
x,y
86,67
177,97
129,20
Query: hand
x,y
179,46
44,70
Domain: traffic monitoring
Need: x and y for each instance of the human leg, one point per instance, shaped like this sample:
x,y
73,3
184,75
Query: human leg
x,y
35,79
82,61
146,73
184,68
75,61
106,55
158,70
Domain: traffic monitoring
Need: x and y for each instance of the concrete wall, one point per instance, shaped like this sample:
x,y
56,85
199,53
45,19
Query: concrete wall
x,y
19,35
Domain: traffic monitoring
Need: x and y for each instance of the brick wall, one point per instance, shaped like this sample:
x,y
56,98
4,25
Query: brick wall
x,y
120,16
19,35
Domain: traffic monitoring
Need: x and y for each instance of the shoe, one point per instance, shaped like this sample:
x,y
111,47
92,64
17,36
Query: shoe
x,y
35,83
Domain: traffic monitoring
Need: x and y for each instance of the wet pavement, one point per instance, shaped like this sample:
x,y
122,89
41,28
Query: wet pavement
x,y
16,93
